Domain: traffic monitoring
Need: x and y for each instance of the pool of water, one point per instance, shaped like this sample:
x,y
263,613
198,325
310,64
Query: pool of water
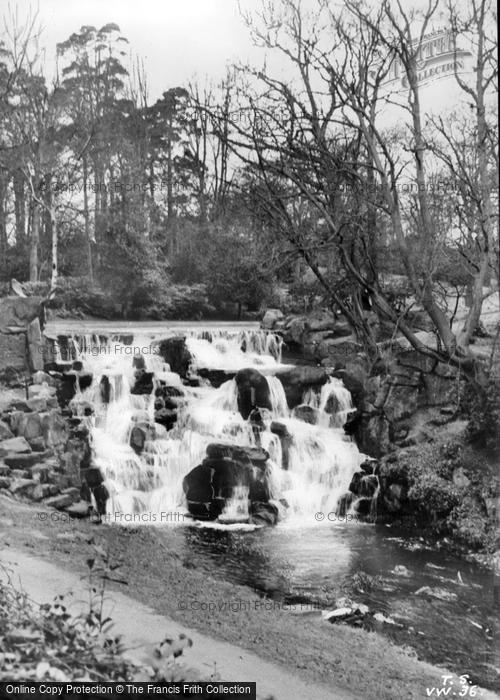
x,y
312,566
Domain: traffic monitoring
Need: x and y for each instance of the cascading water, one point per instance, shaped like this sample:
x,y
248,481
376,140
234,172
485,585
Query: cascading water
x,y
320,459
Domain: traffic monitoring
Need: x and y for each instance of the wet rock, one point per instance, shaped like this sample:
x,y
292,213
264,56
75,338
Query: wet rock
x,y
263,513
4,469
307,414
174,351
255,456
216,377
296,381
4,482
138,439
197,485
105,388
400,570
253,390
143,382
286,440
166,417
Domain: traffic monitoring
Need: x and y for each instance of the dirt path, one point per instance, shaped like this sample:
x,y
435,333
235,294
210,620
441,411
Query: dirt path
x,y
139,625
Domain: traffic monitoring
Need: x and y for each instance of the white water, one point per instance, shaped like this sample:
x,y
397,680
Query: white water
x,y
321,459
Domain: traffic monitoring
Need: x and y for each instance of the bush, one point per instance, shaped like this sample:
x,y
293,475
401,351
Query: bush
x,y
483,414
76,296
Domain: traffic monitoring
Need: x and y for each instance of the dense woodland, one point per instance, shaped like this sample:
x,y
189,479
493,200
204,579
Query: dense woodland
x,y
218,197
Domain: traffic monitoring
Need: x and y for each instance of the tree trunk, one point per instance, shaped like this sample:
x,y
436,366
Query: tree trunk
x,y
19,206
86,217
55,241
34,240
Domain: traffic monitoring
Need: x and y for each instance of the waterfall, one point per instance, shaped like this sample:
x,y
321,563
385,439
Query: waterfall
x,y
321,459
332,403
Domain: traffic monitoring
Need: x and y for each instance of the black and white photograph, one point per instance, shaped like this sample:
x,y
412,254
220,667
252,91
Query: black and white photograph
x,y
249,349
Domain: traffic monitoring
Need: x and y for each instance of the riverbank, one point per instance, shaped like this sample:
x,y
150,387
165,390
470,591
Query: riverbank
x,y
363,663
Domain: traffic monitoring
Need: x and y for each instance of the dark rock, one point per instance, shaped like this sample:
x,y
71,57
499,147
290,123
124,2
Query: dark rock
x,y
101,496
216,377
197,485
286,440
255,456
263,513
105,389
306,413
166,417
176,354
353,384
4,482
143,382
253,390
138,439
22,461
296,381
92,477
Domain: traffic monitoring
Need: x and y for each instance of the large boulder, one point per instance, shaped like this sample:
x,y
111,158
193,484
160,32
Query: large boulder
x,y
271,318
174,351
209,486
253,390
296,381
254,456
16,313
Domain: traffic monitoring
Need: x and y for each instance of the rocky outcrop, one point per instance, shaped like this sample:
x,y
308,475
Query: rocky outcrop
x,y
253,390
296,381
400,399
21,347
320,337
174,351
210,486
45,455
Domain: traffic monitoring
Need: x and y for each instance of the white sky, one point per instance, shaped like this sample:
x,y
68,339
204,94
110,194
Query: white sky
x,y
177,39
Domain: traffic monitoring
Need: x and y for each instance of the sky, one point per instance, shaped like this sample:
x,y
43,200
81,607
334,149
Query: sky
x,y
177,39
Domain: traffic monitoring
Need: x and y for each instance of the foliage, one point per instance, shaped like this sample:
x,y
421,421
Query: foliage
x,y
483,413
47,642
